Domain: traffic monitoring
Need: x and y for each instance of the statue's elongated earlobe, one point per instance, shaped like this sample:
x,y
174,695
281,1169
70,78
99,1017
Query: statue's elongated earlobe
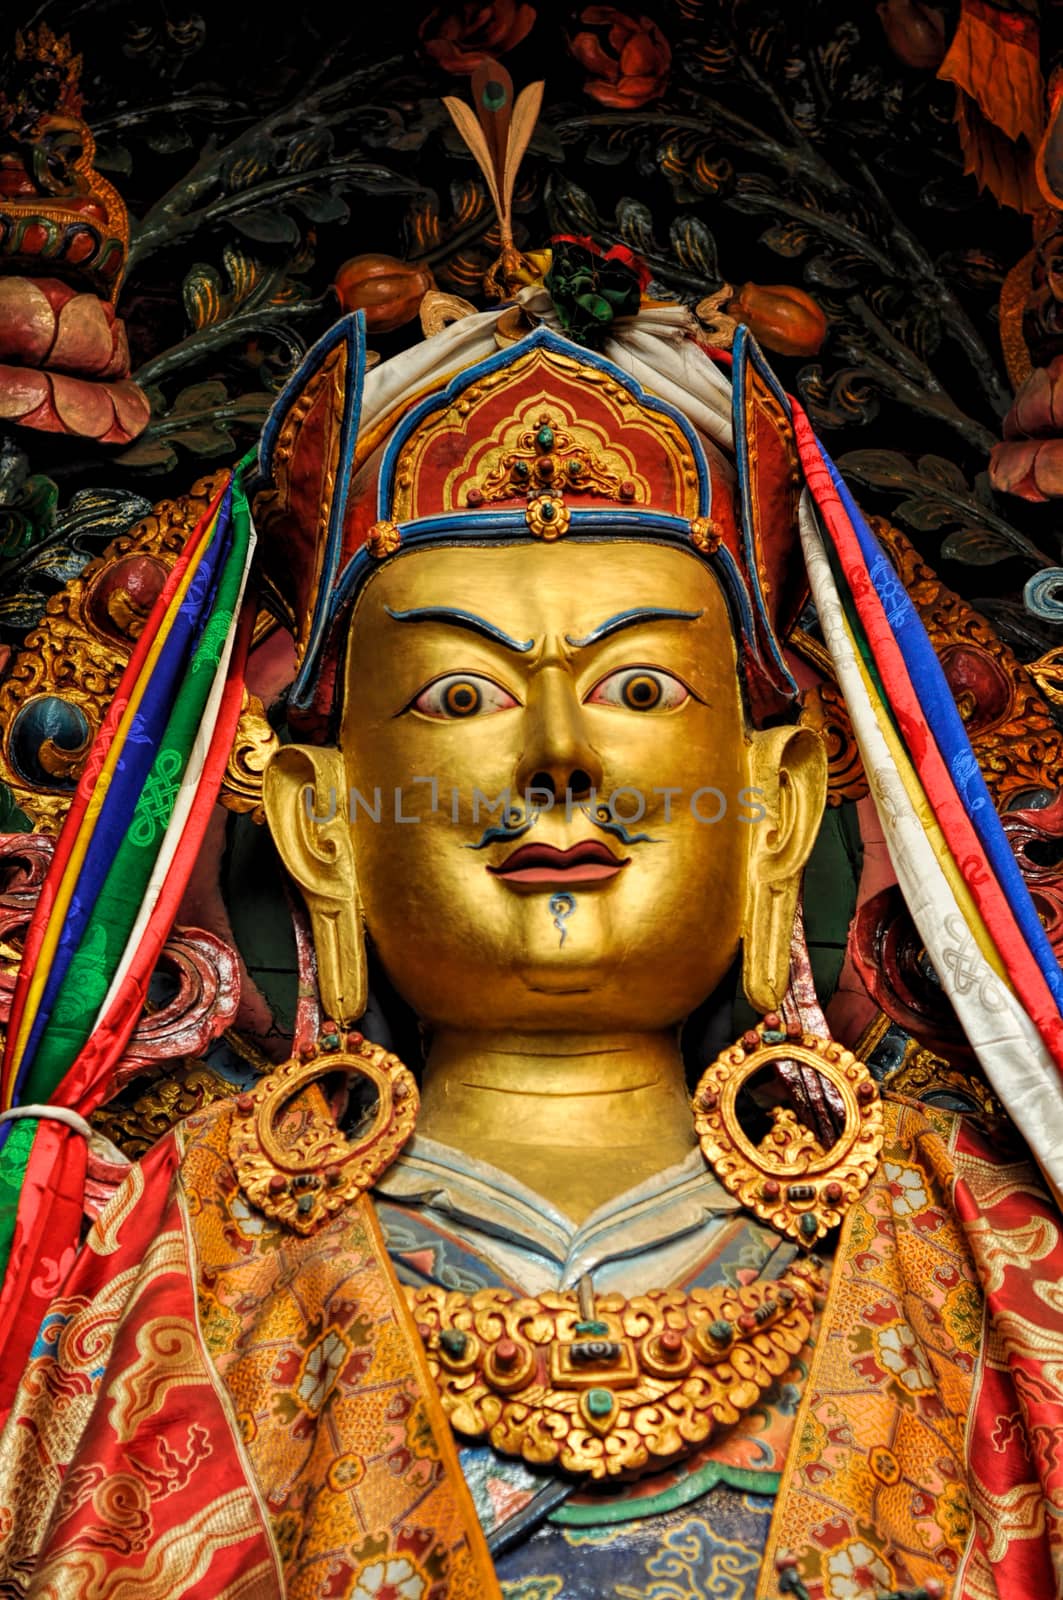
x,y
304,794
789,768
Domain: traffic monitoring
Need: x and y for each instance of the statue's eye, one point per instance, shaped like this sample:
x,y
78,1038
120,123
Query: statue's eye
x,y
462,694
640,689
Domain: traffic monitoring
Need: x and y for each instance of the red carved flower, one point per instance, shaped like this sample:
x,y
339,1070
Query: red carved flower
x,y
460,37
616,252
628,57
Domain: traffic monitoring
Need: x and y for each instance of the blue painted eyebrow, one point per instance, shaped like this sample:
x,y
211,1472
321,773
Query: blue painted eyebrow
x,y
630,619
463,619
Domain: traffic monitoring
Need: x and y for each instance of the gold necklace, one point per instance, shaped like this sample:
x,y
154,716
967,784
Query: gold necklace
x,y
604,1389
636,1384
624,1387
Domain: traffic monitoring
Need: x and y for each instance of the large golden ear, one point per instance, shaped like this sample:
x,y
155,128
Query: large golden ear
x,y
789,768
305,799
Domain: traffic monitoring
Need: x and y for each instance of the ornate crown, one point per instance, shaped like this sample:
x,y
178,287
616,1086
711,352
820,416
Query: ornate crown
x,y
542,440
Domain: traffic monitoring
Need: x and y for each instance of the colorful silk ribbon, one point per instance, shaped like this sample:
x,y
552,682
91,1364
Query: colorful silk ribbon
x,y
162,752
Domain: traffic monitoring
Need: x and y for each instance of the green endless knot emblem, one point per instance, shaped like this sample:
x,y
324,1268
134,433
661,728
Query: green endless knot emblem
x,y
213,637
156,798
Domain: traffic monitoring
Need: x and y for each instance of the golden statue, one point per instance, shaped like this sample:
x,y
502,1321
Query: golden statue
x,y
603,1325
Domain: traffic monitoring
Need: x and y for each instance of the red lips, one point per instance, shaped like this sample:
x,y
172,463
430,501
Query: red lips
x,y
542,864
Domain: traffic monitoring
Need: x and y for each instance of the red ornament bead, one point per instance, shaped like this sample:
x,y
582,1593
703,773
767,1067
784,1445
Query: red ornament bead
x,y
772,1020
834,1194
277,1184
671,1343
751,1039
506,1355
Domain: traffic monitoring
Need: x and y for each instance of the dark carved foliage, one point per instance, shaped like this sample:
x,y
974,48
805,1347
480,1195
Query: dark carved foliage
x,y
783,145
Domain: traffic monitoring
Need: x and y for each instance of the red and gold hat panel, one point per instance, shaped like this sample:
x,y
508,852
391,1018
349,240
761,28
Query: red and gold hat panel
x,y
543,426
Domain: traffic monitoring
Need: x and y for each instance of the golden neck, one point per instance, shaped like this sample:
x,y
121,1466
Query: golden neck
x,y
577,1118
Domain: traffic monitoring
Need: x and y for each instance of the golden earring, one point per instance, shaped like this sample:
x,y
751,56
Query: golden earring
x,y
302,1171
789,1180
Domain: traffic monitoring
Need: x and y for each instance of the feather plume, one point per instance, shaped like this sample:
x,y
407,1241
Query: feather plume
x,y
497,132
522,126
470,130
492,100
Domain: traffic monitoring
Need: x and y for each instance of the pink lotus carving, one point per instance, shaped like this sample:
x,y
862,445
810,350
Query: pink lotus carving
x,y
64,363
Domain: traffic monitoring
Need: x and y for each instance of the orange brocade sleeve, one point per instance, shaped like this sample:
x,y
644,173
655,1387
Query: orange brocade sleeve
x,y
218,1410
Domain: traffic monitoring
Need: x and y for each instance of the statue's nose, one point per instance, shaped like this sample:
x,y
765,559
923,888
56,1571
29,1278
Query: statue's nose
x,y
558,756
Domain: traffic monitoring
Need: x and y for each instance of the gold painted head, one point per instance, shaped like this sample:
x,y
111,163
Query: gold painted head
x,y
548,805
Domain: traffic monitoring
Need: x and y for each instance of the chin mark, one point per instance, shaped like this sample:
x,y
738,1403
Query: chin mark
x,y
561,907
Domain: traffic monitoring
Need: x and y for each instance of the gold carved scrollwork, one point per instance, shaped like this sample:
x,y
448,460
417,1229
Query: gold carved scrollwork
x,y
642,1383
142,1114
296,1164
255,742
788,1179
1047,673
544,456
78,653
1011,729
823,710
439,310
926,1076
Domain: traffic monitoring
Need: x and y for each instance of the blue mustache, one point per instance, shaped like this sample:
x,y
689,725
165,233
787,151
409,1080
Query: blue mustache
x,y
524,821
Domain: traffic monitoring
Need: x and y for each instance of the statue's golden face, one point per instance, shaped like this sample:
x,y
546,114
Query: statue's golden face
x,y
602,672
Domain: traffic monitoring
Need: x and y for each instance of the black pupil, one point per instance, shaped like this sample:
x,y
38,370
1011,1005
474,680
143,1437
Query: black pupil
x,y
642,692
462,698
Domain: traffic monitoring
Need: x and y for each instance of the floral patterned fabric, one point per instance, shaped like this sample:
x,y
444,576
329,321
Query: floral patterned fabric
x,y
929,1438
119,1470
218,1410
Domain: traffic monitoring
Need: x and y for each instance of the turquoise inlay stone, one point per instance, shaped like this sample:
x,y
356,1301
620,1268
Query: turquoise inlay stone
x,y
773,1036
808,1225
545,438
598,1328
599,1402
453,1342
548,510
722,1331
